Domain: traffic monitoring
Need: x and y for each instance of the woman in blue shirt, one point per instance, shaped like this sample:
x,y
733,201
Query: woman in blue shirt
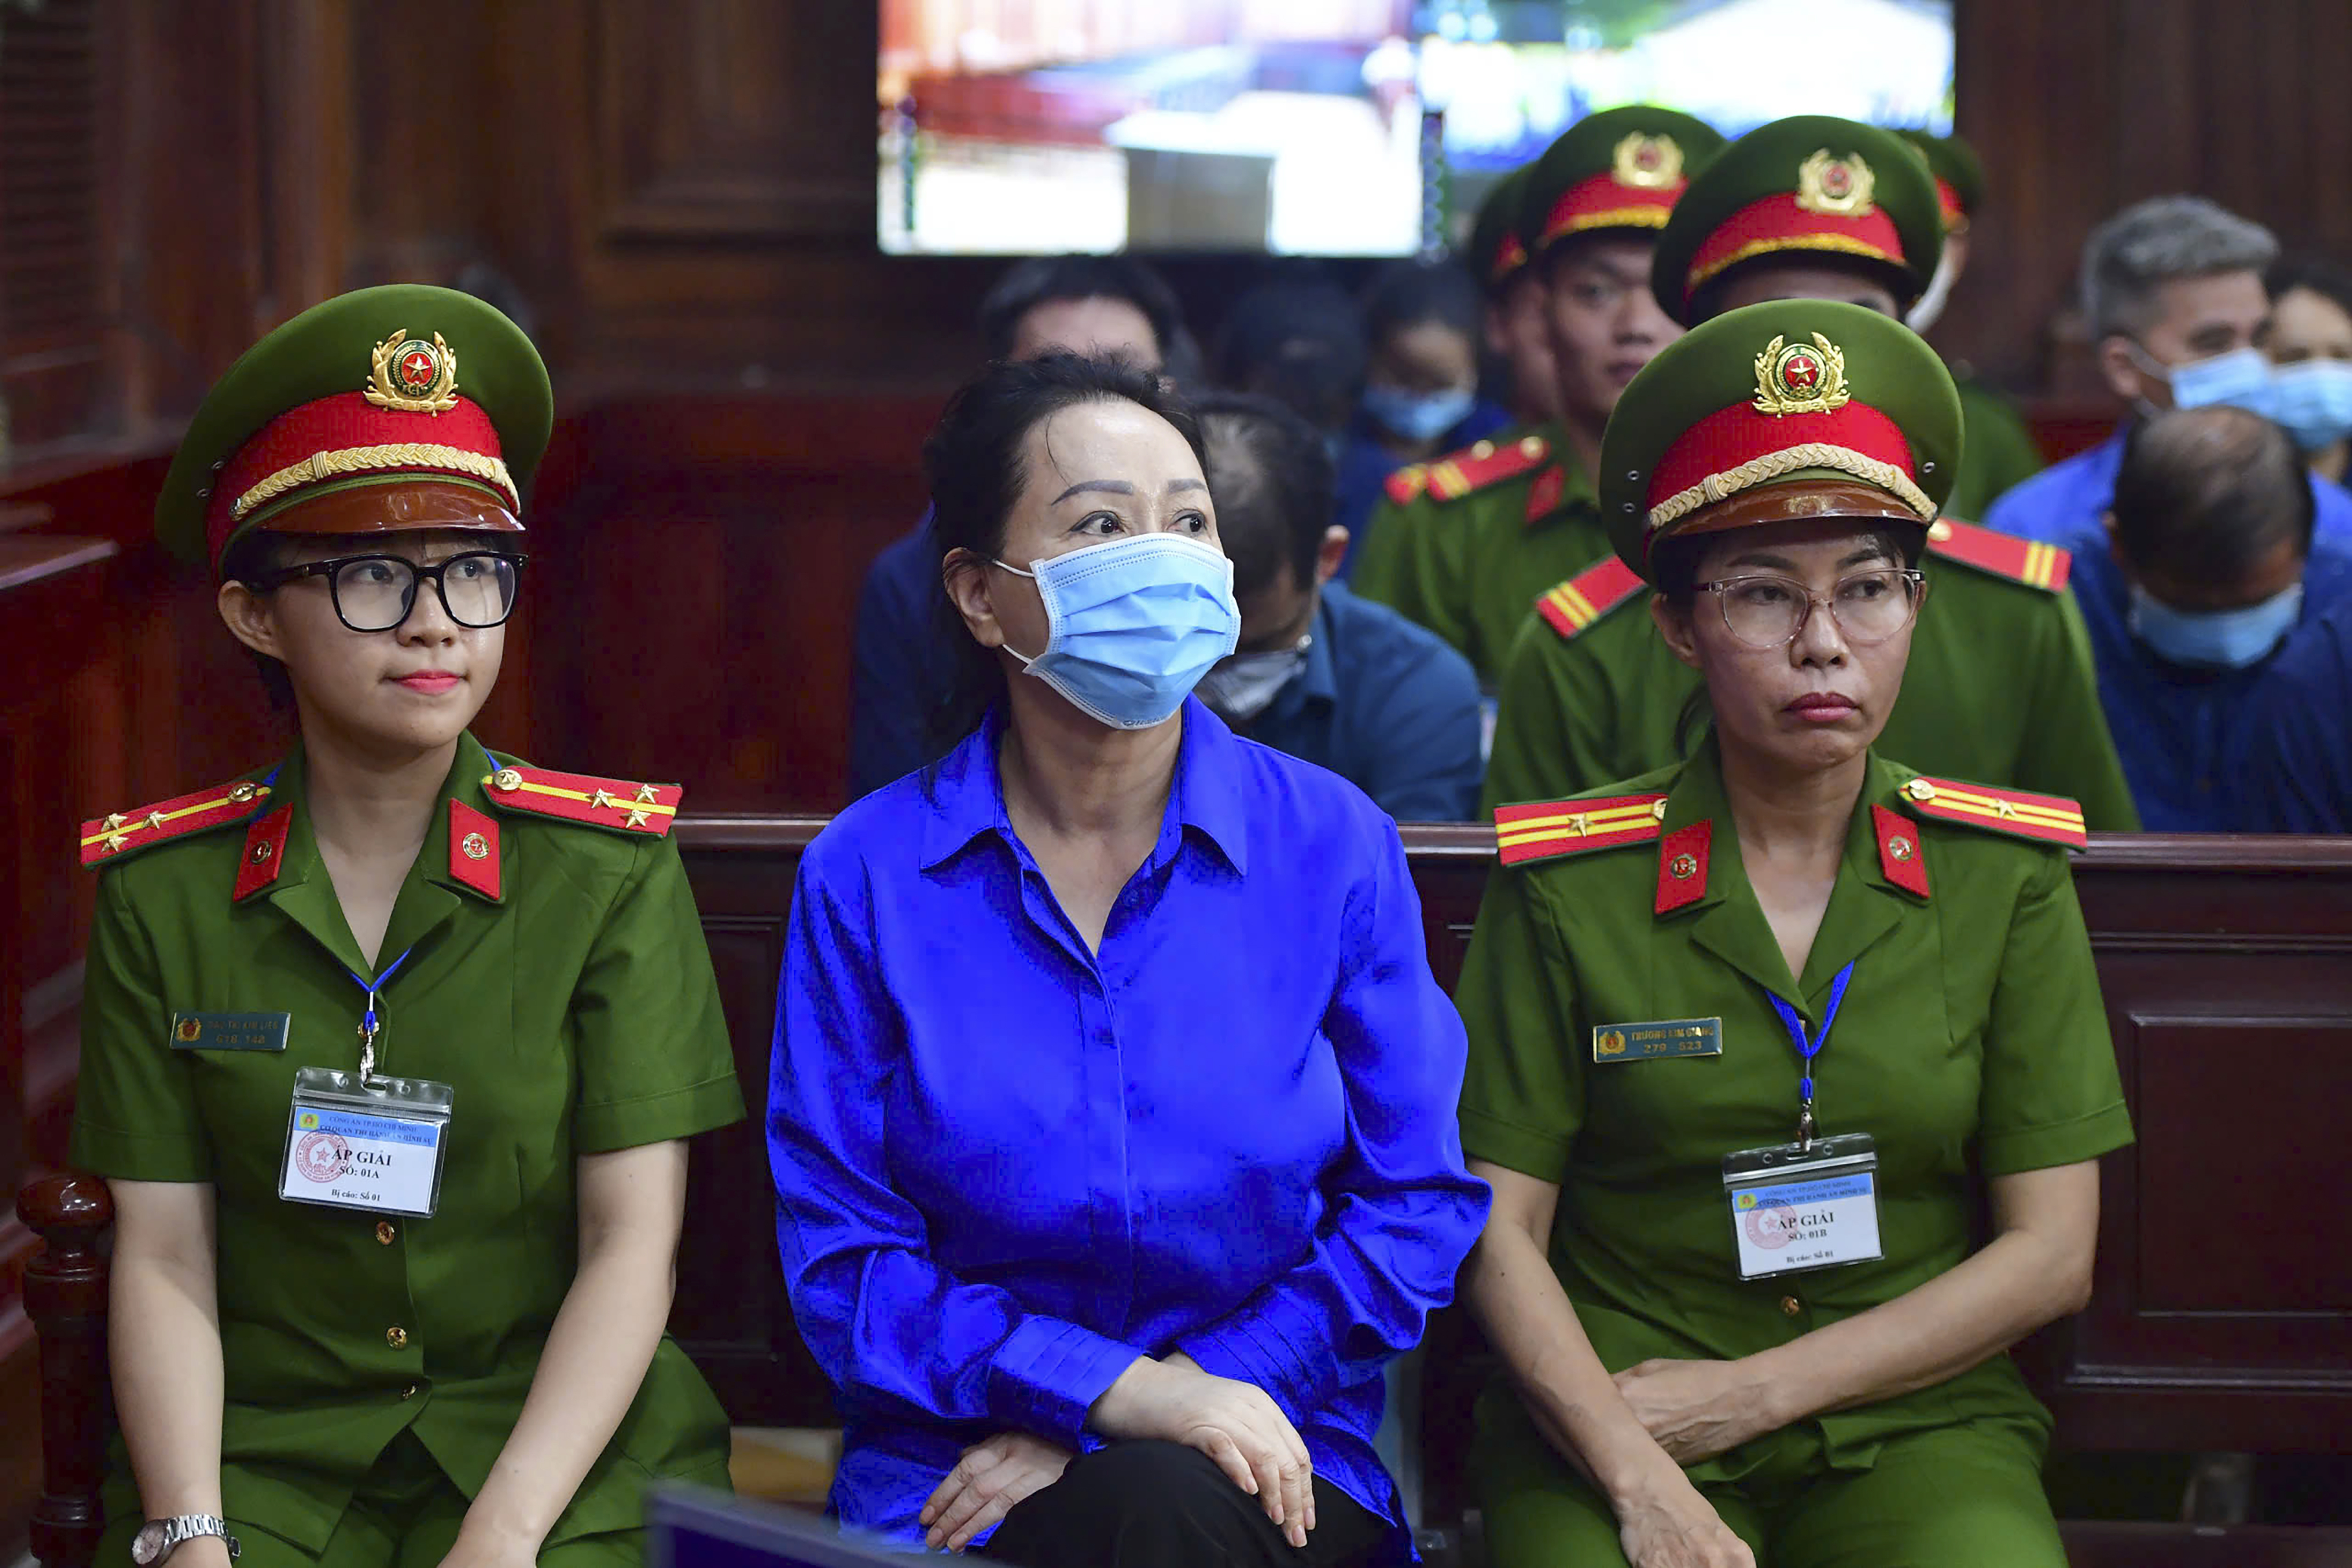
x,y
1112,1100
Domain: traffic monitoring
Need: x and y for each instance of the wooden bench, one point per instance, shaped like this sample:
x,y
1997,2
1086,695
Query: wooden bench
x,y
2221,1316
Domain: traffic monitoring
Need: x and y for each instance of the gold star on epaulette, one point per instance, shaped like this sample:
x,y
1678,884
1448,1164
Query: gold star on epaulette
x,y
601,799
638,819
645,794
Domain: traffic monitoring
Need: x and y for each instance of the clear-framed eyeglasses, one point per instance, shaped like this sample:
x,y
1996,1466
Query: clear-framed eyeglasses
x,y
377,592
1765,610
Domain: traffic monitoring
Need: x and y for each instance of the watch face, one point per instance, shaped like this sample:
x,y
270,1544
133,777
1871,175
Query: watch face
x,y
148,1544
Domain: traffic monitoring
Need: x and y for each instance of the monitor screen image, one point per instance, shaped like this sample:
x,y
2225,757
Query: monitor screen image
x,y
1325,126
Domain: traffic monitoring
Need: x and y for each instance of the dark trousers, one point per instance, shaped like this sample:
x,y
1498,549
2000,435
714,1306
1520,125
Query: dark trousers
x,y
1163,1505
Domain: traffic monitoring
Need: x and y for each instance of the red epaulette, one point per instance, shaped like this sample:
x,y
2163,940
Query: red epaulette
x,y
623,805
1551,828
121,833
1404,486
1485,464
1588,596
2052,819
2028,561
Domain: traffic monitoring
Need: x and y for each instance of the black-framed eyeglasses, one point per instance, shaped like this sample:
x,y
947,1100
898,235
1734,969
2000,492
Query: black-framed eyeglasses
x,y
1766,609
377,592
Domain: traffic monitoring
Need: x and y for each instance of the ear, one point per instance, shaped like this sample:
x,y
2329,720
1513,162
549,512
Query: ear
x,y
1331,554
1675,626
246,615
2125,378
966,579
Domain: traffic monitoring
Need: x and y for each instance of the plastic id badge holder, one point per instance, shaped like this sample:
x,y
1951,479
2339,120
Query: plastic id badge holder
x,y
368,1143
1796,1207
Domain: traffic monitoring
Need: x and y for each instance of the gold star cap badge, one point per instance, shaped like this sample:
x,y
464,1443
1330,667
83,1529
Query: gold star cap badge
x,y
413,376
1800,378
1835,187
1646,162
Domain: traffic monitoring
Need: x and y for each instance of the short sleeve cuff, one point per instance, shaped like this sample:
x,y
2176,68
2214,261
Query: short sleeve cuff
x,y
1485,1136
1275,1347
2012,1150
1048,1374
658,1118
136,1156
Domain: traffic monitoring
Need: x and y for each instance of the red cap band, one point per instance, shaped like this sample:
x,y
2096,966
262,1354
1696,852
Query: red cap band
x,y
1729,437
1602,202
1778,224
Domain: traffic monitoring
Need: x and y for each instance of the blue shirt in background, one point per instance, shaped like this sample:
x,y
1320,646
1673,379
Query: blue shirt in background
x,y
2300,765
1006,1166
2057,505
902,663
1365,466
1387,706
2184,734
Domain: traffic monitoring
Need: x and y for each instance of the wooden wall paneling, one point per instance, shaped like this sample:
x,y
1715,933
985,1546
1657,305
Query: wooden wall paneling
x,y
321,94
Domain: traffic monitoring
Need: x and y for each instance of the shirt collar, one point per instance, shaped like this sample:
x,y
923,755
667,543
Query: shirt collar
x,y
966,794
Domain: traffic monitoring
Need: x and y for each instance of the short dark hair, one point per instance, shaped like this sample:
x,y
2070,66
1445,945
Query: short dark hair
x,y
1301,343
2205,494
2328,279
1408,293
1272,481
974,462
1051,280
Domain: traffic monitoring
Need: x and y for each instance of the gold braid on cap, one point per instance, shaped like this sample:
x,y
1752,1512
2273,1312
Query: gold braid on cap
x,y
363,459
1778,465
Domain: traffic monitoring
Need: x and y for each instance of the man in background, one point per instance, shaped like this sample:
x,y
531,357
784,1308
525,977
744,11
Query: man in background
x,y
2207,573
1319,673
2173,290
1091,305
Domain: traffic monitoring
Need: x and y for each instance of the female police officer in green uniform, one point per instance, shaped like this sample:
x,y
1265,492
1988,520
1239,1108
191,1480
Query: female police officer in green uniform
x,y
1745,1031
390,1047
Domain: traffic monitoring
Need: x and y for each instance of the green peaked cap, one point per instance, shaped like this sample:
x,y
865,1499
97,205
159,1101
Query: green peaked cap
x,y
1496,250
1650,153
1809,188
1953,161
1856,407
327,351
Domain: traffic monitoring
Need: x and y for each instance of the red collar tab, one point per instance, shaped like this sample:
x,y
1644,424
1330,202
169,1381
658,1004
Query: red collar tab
x,y
1956,212
1901,858
120,833
265,853
1547,828
2028,561
1588,596
623,805
1545,493
1484,464
2050,819
1404,486
474,857
1682,866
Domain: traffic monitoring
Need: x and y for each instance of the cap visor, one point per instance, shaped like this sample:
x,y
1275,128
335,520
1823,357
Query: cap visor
x,y
1801,498
399,506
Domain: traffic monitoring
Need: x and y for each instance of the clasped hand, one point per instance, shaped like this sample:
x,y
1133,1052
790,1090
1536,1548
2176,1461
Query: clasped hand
x,y
1697,1409
1237,1425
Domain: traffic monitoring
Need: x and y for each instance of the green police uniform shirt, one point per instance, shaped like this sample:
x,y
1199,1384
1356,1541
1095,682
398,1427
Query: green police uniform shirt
x,y
2000,687
1997,452
1481,537
561,985
1971,1042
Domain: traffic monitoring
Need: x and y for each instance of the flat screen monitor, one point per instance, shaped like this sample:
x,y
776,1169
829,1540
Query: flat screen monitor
x,y
1326,127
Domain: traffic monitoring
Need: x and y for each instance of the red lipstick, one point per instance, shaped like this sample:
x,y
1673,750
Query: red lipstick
x,y
430,682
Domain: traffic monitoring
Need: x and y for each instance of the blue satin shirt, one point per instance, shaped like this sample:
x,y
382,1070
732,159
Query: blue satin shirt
x,y
1007,1166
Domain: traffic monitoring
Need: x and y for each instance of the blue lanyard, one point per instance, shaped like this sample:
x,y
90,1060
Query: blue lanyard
x,y
1808,1049
369,1023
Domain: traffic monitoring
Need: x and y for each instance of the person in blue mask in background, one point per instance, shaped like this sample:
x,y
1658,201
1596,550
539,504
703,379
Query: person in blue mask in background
x,y
2311,345
1423,322
2173,290
2209,571
1111,1107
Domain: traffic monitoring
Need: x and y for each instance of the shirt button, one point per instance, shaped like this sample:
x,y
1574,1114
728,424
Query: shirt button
x,y
1789,1304
385,1232
396,1337
409,1392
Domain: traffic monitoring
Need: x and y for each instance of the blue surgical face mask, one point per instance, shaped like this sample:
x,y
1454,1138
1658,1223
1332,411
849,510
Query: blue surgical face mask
x,y
2315,402
1245,685
1417,416
1132,626
2241,378
2214,639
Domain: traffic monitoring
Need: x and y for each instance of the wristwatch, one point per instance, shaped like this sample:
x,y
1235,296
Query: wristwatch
x,y
158,1536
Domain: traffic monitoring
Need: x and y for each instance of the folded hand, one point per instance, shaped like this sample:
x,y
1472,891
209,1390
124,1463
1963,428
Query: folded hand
x,y
986,1483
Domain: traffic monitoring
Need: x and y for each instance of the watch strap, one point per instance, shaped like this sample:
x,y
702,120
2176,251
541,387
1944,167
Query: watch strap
x,y
181,1529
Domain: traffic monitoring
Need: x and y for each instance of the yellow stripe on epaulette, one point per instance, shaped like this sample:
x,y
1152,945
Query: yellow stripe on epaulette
x,y
1550,828
119,834
2028,561
1484,464
2048,818
1585,597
